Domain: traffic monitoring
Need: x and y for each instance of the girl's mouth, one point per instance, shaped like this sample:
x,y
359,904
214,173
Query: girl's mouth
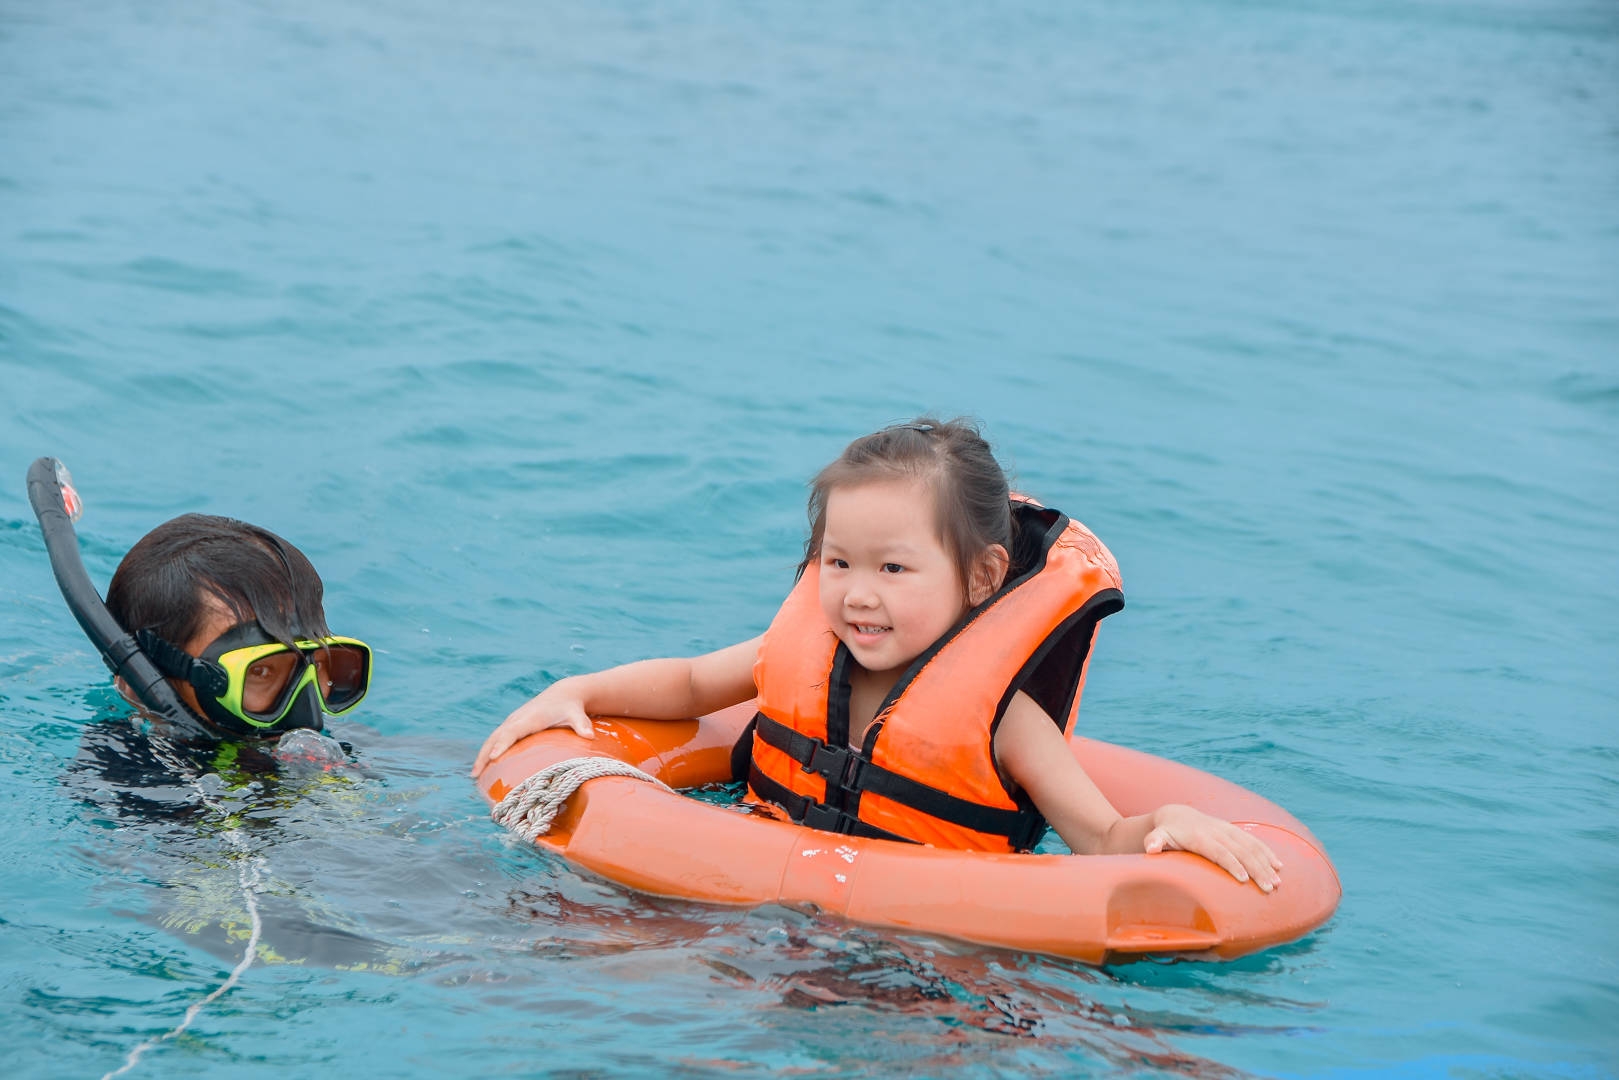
x,y
865,630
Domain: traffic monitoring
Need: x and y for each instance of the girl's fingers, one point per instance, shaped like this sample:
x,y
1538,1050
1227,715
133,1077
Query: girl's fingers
x,y
526,721
1261,863
1235,850
1223,857
494,746
500,740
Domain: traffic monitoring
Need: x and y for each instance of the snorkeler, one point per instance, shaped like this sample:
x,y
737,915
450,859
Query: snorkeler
x,y
210,624
215,629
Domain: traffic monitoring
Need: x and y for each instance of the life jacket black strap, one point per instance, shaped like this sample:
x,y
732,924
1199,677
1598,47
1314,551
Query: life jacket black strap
x,y
1012,824
742,751
812,754
847,773
806,811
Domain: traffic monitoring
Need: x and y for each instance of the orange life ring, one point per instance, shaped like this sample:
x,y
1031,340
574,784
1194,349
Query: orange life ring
x,y
1095,908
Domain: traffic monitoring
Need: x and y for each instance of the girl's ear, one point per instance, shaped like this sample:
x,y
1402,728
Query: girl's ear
x,y
123,688
989,572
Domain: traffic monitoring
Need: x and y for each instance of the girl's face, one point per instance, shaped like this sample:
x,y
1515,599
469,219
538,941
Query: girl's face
x,y
888,586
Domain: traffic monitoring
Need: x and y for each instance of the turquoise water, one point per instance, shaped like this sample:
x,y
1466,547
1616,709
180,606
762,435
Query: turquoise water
x,y
528,323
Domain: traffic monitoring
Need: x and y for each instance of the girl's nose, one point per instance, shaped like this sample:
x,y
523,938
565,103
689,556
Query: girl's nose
x,y
859,595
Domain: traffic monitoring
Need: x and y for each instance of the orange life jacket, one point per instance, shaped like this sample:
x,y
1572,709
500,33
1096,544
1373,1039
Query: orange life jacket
x,y
925,770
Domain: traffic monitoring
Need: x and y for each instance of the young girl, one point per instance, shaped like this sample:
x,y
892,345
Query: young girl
x,y
920,681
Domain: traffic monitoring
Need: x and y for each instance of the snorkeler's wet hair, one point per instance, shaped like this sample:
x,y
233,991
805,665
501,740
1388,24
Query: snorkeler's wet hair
x,y
162,583
972,503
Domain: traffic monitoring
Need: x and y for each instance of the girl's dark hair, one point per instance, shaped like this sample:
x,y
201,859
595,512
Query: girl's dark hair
x,y
972,504
162,581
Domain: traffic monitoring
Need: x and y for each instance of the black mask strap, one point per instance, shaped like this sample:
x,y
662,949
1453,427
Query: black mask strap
x,y
176,663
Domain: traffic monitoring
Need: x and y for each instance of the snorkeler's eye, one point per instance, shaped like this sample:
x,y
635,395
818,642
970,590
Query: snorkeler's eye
x,y
892,568
261,683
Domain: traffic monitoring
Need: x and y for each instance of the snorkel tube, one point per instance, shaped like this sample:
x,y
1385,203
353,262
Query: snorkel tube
x,y
58,506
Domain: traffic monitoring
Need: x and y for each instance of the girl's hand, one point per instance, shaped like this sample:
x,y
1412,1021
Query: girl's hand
x,y
1240,853
553,707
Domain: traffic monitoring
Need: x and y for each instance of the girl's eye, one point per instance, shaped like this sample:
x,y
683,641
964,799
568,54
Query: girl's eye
x,y
839,563
892,567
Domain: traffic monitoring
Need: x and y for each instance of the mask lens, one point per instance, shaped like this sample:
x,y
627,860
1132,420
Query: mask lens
x,y
343,671
266,680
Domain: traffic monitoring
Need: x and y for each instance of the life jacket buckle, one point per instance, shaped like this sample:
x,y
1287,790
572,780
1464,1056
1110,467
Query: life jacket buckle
x,y
825,818
828,761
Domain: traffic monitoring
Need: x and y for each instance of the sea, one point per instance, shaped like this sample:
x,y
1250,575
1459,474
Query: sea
x,y
528,321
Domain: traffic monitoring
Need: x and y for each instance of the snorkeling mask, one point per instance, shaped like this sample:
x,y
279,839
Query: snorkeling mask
x,y
245,676
247,682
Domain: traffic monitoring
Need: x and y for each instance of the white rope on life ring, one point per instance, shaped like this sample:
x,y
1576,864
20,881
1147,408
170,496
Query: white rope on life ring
x,y
531,807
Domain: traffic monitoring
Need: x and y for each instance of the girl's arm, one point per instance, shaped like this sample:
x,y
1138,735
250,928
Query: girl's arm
x,y
665,689
1035,754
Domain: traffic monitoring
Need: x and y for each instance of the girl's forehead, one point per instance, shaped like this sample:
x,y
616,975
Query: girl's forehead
x,y
898,511
900,493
